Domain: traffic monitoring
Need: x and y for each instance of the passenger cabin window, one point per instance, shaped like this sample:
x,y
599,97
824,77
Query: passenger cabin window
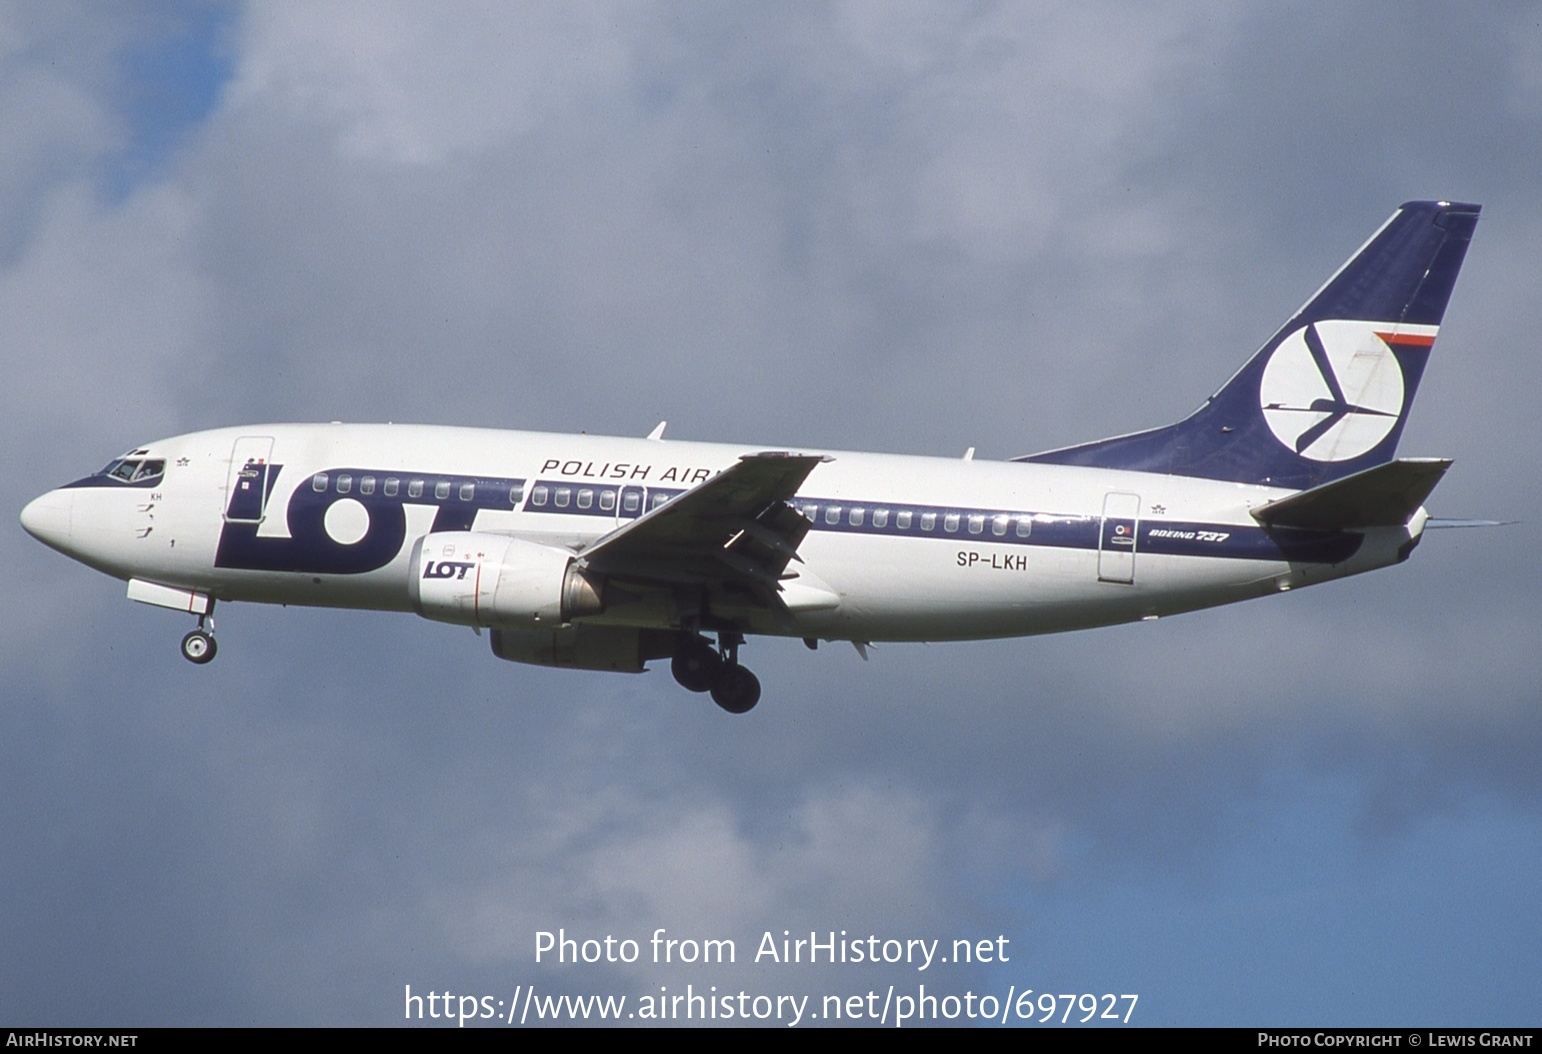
x,y
832,514
319,482
1024,526
856,516
442,489
880,518
468,491
516,494
902,519
564,495
539,494
928,520
659,498
976,524
585,498
344,483
391,484
607,500
999,525
415,488
366,484
950,522
630,501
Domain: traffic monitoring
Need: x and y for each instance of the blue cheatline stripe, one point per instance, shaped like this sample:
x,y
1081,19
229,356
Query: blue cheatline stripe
x,y
971,524
1066,531
458,498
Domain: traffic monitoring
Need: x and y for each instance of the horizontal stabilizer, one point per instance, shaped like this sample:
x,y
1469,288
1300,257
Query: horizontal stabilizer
x,y
1433,524
1387,495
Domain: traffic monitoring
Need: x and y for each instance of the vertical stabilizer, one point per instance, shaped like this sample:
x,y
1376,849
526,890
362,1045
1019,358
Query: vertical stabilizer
x,y
1329,394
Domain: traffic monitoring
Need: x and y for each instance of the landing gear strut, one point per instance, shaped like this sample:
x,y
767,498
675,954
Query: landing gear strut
x,y
700,666
199,646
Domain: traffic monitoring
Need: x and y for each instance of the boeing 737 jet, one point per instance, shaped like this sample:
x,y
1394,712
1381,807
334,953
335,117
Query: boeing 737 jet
x,y
598,553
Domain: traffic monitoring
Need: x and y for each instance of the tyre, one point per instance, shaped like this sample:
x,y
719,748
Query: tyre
x,y
696,666
198,647
737,690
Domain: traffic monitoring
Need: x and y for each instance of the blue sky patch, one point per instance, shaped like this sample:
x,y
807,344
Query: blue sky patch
x,y
170,83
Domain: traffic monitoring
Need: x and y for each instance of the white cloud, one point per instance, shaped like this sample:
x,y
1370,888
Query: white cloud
x,y
419,86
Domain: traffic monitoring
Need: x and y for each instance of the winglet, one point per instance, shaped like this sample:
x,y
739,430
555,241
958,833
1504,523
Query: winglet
x,y
658,431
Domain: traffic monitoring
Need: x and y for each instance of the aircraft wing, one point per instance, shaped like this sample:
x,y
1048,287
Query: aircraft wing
x,y
735,529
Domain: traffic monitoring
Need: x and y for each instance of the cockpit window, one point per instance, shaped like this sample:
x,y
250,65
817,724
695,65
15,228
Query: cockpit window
x,y
133,470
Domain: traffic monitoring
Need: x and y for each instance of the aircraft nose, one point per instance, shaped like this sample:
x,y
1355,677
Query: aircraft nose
x,y
48,518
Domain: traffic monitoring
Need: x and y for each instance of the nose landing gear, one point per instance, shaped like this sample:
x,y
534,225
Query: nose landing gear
x,y
700,666
199,646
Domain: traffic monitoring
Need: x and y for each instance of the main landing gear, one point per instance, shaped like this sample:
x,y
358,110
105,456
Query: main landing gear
x,y
199,646
700,666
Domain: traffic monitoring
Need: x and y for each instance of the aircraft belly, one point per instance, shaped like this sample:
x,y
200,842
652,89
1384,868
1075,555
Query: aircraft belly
x,y
383,590
903,589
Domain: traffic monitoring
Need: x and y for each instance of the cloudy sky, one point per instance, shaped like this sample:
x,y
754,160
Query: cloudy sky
x,y
899,227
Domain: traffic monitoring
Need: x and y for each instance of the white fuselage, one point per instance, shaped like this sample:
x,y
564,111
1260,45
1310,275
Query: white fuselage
x,y
900,547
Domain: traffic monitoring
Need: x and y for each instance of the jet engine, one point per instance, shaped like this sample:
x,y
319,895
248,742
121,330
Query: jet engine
x,y
477,579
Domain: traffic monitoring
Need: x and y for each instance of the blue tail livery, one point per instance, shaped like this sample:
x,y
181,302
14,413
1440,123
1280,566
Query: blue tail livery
x,y
1328,395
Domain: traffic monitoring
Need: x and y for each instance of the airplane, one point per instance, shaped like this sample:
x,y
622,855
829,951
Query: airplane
x,y
607,553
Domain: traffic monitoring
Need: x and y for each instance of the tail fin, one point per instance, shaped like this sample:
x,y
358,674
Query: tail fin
x,y
1329,394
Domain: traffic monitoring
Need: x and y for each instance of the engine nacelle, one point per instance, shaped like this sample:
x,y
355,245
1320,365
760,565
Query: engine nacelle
x,y
479,579
622,649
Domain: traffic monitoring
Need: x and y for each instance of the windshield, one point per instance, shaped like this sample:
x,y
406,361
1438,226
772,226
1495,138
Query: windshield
x,y
135,470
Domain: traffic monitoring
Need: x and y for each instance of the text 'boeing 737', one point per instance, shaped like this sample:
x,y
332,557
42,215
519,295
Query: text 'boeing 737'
x,y
599,553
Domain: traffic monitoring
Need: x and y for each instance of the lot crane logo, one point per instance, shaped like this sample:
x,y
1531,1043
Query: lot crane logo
x,y
1332,390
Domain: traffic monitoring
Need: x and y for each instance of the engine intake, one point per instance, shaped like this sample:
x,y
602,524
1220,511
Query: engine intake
x,y
476,579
